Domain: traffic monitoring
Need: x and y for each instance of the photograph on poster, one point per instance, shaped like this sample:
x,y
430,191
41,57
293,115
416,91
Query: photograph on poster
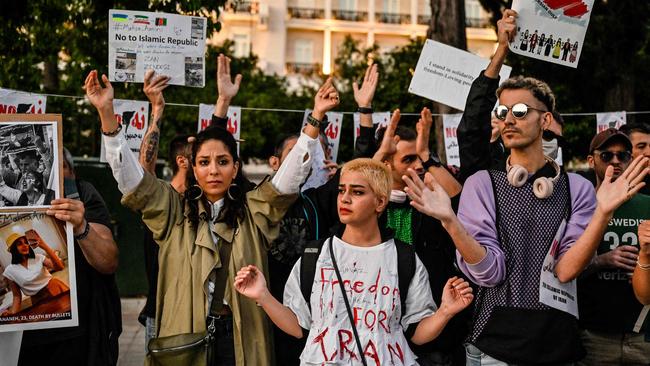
x,y
36,272
29,172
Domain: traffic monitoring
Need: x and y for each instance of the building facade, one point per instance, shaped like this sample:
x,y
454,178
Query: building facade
x,y
303,36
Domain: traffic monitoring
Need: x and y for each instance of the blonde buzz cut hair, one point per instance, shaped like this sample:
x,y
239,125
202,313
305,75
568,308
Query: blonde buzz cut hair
x,y
377,174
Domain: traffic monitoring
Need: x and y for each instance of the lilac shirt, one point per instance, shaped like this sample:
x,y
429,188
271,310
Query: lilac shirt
x,y
477,214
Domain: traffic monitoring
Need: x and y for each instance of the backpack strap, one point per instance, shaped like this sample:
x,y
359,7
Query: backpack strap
x,y
405,270
308,267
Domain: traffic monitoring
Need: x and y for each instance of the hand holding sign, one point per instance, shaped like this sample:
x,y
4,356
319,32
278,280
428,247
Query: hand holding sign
x,y
364,95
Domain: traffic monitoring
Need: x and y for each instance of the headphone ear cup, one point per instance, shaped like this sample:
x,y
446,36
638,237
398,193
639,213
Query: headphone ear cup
x,y
543,187
517,175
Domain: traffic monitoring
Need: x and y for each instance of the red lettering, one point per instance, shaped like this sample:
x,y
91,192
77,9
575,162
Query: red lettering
x,y
232,125
356,314
385,290
372,355
118,118
3,109
319,339
332,131
358,131
358,287
397,351
204,123
373,289
450,131
138,121
371,324
343,345
382,318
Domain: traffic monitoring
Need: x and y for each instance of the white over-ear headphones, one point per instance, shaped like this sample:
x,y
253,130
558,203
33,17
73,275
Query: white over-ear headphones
x,y
542,186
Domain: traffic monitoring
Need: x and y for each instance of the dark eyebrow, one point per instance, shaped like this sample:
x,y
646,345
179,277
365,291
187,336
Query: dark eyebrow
x,y
218,156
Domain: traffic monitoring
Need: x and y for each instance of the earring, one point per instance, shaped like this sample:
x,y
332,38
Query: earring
x,y
237,192
194,192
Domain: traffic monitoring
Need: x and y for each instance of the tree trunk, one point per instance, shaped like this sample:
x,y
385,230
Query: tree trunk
x,y
447,25
51,74
621,96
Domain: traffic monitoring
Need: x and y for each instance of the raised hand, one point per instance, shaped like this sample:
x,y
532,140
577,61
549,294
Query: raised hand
x,y
388,145
226,87
456,295
100,97
428,197
364,95
325,100
423,128
612,194
507,27
250,282
153,88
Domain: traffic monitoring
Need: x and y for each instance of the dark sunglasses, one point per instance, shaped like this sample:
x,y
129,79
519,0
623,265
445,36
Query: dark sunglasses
x,y
519,111
622,156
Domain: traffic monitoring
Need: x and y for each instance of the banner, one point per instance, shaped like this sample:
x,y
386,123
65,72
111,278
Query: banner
x,y
332,132
450,124
234,119
133,115
170,44
13,101
445,74
379,120
551,30
605,120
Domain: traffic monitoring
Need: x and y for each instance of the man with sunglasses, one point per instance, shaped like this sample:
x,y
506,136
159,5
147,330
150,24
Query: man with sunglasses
x,y
480,146
609,310
514,242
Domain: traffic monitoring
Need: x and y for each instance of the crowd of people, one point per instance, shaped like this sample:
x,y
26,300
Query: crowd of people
x,y
394,260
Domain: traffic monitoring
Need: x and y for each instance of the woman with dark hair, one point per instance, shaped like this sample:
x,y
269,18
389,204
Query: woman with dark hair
x,y
31,191
30,273
210,231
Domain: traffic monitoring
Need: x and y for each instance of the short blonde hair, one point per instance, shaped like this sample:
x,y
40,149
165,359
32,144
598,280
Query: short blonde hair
x,y
377,174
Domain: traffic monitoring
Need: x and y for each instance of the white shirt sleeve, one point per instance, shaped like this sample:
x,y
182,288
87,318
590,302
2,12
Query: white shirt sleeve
x,y
126,169
293,298
419,301
295,167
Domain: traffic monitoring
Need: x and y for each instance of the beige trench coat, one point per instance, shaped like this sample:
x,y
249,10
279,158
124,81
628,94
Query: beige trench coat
x,y
188,255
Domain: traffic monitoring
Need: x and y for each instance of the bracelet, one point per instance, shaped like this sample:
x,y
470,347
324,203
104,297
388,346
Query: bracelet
x,y
644,267
364,110
83,235
313,121
114,132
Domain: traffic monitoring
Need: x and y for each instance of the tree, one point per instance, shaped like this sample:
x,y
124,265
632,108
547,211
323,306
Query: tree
x,y
447,25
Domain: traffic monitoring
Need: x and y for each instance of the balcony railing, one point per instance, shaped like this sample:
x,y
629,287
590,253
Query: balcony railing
x,y
351,15
393,18
304,68
250,7
477,22
424,19
306,13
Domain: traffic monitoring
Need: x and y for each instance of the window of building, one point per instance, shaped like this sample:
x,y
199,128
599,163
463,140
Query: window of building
x,y
304,51
309,4
242,45
391,6
350,5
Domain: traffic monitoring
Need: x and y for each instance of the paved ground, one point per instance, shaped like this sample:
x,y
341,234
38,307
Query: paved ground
x,y
132,338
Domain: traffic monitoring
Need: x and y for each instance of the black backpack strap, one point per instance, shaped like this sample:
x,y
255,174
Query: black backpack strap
x,y
405,270
308,267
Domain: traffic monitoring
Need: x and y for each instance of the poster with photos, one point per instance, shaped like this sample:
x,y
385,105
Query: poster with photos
x,y
37,273
30,161
170,44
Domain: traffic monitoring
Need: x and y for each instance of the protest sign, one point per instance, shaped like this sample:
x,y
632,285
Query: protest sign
x,y
450,124
444,74
551,30
332,131
43,294
13,101
234,119
605,120
30,153
379,120
170,44
133,115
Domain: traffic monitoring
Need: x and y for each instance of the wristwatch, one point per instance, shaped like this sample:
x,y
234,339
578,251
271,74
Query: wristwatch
x,y
313,121
433,160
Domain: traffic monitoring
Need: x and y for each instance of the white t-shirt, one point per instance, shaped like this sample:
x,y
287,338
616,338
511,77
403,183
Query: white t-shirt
x,y
31,279
370,278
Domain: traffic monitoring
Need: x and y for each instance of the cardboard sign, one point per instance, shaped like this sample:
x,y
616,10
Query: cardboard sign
x,y
450,124
551,30
133,115
170,44
234,119
444,74
605,120
379,120
13,101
